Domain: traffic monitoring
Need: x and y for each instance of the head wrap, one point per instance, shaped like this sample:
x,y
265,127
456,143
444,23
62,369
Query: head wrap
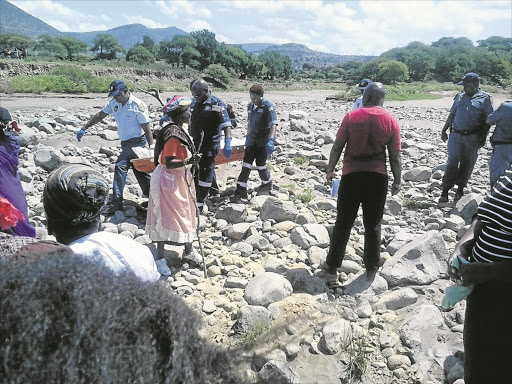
x,y
177,105
73,195
258,89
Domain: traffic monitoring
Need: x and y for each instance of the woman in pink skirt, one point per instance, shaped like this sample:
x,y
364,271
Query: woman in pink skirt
x,y
171,214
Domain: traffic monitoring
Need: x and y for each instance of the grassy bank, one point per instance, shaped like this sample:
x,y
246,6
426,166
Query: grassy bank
x,y
96,77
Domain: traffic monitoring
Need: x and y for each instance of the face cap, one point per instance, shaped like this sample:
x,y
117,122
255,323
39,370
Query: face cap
x,y
469,77
115,87
363,84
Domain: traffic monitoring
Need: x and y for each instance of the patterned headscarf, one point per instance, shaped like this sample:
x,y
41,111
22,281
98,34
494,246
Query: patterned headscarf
x,y
173,106
73,195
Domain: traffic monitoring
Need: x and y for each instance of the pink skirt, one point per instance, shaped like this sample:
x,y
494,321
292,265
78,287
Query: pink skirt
x,y
171,211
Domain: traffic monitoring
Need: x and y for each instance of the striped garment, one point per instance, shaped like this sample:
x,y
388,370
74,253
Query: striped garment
x,y
495,241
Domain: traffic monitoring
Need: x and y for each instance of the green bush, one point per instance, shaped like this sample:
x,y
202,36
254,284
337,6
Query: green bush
x,y
65,79
140,55
306,196
218,72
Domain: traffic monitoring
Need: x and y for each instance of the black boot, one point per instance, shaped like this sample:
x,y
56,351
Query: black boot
x,y
444,196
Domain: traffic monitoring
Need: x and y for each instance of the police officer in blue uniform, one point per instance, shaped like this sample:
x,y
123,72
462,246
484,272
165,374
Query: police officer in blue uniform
x,y
259,142
468,132
501,141
134,130
209,119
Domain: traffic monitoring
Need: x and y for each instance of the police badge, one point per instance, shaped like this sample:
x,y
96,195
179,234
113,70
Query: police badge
x,y
116,108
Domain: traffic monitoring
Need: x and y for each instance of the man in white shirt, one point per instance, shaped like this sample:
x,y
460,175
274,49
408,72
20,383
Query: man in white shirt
x,y
134,130
361,86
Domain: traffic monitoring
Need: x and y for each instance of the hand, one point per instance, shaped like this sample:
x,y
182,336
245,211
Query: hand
x,y
395,187
330,175
444,136
476,273
270,145
227,148
80,134
453,266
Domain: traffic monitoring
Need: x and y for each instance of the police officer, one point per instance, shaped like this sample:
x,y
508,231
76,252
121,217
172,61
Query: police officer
x,y
361,86
259,142
134,130
468,132
209,119
501,141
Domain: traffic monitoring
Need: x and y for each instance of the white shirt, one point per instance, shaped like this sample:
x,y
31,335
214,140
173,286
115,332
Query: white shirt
x,y
358,103
128,117
118,253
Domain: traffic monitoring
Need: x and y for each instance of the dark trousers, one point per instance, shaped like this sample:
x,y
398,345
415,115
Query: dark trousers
x,y
258,153
488,334
367,189
205,177
123,164
462,155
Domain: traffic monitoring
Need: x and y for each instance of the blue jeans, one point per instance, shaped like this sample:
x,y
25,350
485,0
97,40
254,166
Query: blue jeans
x,y
462,155
123,164
501,159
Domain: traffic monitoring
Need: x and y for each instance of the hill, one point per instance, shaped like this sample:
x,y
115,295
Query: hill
x,y
300,54
131,34
15,20
255,47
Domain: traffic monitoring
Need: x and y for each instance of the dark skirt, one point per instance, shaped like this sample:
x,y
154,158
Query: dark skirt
x,y
488,334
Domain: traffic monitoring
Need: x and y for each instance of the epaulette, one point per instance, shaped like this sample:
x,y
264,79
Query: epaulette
x,y
141,105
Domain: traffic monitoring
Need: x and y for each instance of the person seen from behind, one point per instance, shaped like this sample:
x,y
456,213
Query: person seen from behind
x,y
365,133
501,141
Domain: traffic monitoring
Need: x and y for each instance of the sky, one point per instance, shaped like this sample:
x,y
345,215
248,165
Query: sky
x,y
339,27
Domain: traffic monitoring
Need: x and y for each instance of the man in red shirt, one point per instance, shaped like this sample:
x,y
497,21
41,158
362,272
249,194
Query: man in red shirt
x,y
366,133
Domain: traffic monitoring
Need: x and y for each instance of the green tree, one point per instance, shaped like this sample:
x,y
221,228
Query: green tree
x,y
180,51
453,41
231,57
107,46
254,67
420,65
369,70
393,71
278,66
148,43
218,72
74,47
207,45
140,55
504,43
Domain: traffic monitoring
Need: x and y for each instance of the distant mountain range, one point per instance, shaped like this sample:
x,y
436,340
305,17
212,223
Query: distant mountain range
x,y
15,20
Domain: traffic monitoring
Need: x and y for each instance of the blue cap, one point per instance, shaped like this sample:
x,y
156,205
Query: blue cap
x,y
363,84
468,77
115,87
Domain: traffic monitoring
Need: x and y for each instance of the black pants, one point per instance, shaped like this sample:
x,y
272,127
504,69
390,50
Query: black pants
x,y
488,334
258,153
369,190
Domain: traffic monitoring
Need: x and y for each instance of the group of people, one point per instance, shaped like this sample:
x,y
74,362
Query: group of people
x,y
74,194
184,155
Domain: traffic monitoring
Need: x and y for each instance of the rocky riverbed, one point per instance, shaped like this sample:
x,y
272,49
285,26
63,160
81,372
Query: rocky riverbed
x,y
261,257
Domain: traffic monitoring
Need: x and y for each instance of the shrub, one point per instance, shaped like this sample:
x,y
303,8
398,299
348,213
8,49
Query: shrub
x,y
69,320
306,196
140,55
300,160
218,72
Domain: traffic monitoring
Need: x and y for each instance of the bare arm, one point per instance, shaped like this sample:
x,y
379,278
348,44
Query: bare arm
x,y
147,132
334,157
395,161
95,119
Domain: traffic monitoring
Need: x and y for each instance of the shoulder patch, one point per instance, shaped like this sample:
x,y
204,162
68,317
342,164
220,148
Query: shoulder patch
x,y
141,106
217,108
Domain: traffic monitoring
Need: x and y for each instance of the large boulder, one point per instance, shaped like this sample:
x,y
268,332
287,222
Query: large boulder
x,y
267,288
48,158
422,261
275,209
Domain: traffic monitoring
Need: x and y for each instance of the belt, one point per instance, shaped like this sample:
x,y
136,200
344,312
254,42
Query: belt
x,y
466,132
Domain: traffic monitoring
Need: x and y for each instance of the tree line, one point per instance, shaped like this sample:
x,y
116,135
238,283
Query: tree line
x,y
199,50
445,60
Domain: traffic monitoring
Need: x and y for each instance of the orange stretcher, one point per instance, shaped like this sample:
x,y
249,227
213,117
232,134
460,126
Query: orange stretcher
x,y
145,164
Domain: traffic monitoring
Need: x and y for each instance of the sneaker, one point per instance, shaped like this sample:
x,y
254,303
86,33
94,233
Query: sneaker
x,y
444,196
162,267
111,208
329,274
